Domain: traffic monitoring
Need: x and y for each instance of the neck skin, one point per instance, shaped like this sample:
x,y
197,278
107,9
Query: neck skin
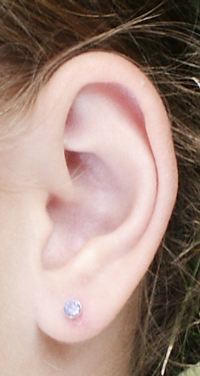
x,y
108,354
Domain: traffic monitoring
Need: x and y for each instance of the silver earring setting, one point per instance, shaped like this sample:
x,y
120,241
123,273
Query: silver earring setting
x,y
72,309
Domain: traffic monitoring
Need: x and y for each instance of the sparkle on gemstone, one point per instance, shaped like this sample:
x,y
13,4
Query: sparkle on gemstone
x,y
72,309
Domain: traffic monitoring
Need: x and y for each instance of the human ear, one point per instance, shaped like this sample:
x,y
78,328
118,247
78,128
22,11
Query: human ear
x,y
116,182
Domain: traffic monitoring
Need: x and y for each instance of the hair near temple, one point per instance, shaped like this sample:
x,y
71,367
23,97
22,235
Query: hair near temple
x,y
163,39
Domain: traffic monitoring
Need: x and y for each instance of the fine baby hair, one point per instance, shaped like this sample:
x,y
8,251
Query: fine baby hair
x,y
87,61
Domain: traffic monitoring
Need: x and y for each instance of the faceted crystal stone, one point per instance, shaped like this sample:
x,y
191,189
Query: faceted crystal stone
x,y
72,309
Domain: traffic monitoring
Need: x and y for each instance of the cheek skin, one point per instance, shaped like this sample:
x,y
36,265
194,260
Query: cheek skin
x,y
24,229
19,240
26,165
26,183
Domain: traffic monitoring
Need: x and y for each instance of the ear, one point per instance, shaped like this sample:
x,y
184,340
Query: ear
x,y
116,182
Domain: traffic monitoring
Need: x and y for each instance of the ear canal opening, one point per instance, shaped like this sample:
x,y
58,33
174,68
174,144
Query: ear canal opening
x,y
74,163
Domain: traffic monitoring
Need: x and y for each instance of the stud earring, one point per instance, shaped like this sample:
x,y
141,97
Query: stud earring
x,y
72,309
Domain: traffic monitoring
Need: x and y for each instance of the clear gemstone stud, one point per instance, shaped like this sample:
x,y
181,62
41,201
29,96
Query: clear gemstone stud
x,y
72,309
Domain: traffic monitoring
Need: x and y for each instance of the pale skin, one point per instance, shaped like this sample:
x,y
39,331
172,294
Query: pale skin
x,y
87,192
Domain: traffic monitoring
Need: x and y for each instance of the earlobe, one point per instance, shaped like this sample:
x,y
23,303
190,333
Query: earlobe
x,y
120,162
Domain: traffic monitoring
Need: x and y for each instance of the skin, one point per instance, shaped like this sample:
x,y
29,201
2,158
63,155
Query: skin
x,y
24,348
90,235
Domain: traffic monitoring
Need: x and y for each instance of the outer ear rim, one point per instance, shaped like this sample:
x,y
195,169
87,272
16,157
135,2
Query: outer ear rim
x,y
162,151
90,73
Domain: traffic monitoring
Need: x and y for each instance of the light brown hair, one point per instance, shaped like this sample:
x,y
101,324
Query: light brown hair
x,y
163,39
